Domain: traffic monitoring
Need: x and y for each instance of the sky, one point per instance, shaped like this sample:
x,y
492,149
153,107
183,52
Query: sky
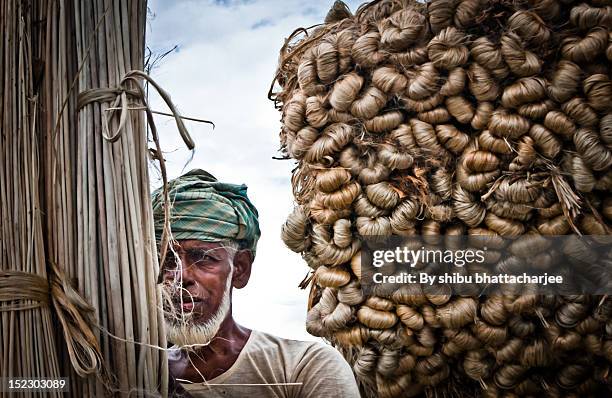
x,y
221,71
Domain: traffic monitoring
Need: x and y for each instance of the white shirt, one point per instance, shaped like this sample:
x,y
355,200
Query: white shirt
x,y
272,367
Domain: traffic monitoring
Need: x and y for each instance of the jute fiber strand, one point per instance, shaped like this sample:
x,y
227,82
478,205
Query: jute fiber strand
x,y
77,233
441,119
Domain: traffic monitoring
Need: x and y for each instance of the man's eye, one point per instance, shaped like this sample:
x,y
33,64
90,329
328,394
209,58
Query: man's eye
x,y
170,263
205,258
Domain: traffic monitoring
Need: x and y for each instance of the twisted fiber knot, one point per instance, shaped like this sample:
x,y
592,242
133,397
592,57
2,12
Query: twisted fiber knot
x,y
118,96
24,291
20,287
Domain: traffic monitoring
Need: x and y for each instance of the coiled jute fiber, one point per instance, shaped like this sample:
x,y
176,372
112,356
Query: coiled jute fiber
x,y
446,118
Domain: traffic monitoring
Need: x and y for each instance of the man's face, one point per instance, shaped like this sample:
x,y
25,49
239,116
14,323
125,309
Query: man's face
x,y
195,277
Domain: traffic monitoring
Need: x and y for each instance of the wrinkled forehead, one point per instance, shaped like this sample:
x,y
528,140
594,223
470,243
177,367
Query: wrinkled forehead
x,y
198,246
187,244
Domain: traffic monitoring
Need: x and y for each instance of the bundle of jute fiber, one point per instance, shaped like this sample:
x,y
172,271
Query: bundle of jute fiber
x,y
441,119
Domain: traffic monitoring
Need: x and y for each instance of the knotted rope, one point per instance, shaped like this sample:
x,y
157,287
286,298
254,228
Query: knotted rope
x,y
17,288
119,96
24,291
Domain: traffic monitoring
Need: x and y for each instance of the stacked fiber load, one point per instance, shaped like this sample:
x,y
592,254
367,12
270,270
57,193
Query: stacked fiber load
x,y
442,119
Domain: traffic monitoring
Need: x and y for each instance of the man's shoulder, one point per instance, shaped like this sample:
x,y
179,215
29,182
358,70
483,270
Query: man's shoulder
x,y
266,339
301,348
317,367
263,338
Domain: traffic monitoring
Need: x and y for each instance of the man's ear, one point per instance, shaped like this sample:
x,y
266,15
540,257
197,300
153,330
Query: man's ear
x,y
243,259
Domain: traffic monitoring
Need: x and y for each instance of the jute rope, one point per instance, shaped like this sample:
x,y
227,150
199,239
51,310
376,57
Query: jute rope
x,y
75,315
21,291
119,96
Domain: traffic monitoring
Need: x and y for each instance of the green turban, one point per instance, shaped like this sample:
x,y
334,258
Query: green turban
x,y
208,210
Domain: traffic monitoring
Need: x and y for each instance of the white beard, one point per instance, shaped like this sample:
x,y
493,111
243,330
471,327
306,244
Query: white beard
x,y
182,332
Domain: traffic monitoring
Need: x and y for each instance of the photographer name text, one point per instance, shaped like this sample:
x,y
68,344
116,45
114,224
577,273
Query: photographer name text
x,y
478,278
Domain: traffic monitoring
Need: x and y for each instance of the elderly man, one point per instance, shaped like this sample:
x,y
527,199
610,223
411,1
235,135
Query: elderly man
x,y
215,230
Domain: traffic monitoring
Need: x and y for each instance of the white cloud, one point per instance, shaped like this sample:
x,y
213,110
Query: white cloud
x,y
225,62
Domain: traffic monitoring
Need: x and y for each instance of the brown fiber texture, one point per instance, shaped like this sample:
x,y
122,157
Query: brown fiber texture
x,y
446,118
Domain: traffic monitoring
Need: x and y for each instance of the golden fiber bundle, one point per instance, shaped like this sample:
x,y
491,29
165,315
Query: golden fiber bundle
x,y
458,121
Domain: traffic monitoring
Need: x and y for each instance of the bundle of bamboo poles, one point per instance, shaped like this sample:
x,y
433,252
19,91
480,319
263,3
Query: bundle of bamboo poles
x,y
76,212
453,119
